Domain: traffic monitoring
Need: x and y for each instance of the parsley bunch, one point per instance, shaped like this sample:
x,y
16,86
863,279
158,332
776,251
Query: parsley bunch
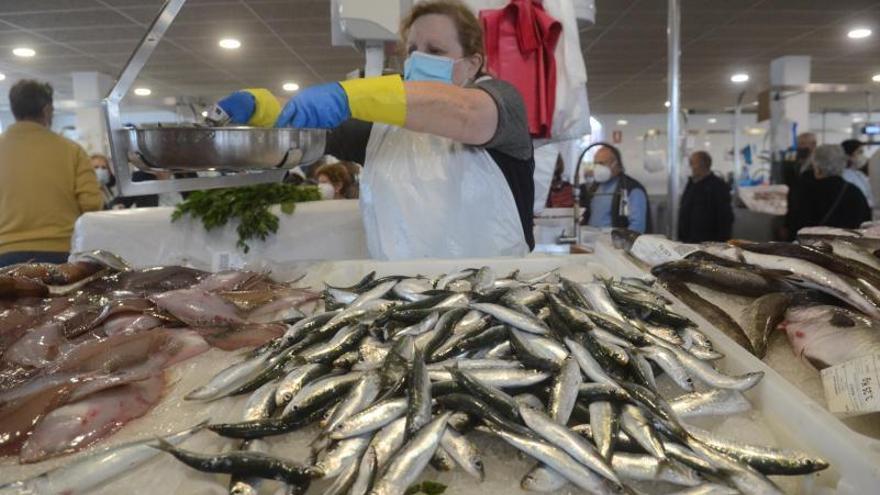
x,y
249,205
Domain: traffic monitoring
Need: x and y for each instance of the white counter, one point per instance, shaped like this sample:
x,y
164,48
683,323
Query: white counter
x,y
318,230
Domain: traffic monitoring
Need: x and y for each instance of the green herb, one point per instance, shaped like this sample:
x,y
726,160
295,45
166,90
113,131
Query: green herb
x,y
249,205
426,488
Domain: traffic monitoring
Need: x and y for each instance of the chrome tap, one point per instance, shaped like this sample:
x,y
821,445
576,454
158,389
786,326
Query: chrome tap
x,y
576,192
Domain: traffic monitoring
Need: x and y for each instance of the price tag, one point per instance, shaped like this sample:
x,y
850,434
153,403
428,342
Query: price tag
x,y
853,388
655,249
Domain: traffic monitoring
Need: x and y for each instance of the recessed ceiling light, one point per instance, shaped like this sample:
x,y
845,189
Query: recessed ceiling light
x,y
142,91
229,43
2,76
622,122
290,86
739,78
667,104
707,144
24,51
876,78
204,113
859,33
712,120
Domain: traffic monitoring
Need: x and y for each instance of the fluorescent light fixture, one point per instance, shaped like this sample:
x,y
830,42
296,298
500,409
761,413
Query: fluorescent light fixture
x,y
858,120
2,76
229,43
622,122
290,86
142,91
858,33
712,120
739,78
876,78
24,51
667,104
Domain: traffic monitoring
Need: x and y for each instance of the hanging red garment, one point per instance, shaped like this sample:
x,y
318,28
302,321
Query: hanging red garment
x,y
520,40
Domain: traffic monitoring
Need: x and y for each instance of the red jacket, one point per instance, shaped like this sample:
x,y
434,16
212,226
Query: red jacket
x,y
520,40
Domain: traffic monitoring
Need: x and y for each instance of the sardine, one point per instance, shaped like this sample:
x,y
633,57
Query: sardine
x,y
359,397
715,402
408,464
464,452
517,320
370,419
564,391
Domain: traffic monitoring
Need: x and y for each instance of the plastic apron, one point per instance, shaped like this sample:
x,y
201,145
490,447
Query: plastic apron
x,y
424,196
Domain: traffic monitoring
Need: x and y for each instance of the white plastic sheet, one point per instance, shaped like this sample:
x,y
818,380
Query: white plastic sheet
x,y
320,230
425,196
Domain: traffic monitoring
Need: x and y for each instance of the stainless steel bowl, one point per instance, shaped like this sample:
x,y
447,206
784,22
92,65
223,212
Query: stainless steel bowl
x,y
196,148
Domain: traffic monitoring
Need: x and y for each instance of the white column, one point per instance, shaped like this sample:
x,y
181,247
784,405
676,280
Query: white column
x,y
89,88
792,70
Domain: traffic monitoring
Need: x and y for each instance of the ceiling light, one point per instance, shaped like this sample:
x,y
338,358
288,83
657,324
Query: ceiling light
x,y
622,122
707,144
142,91
739,78
24,51
667,104
712,120
2,76
204,113
857,120
876,78
229,43
859,33
290,86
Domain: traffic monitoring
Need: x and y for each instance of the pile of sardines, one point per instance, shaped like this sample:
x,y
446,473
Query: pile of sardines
x,y
823,291
400,373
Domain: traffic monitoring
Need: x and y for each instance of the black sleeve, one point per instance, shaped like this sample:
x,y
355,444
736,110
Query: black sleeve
x,y
723,212
348,142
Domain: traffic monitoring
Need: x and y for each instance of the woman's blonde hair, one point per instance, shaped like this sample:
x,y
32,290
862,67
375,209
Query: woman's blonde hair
x,y
470,33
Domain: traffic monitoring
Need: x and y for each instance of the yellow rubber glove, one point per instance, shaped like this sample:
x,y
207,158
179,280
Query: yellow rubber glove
x,y
266,108
377,99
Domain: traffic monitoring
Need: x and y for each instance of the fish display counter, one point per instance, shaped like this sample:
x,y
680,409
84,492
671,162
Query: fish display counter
x,y
318,230
800,307
563,374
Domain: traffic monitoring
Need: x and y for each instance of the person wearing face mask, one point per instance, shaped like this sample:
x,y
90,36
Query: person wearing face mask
x,y
106,180
798,176
706,212
614,199
447,155
856,164
333,181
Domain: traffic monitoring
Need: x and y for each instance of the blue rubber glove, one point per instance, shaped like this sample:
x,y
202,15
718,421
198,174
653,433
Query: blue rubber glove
x,y
239,106
318,107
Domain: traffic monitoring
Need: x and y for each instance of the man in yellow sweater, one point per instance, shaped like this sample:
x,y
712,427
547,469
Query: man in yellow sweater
x,y
46,181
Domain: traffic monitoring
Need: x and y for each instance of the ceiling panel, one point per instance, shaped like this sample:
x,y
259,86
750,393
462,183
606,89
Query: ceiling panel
x,y
289,40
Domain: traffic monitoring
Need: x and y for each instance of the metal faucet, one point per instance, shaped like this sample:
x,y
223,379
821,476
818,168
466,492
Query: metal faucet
x,y
575,208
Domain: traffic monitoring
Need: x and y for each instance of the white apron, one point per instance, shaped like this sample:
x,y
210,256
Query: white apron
x,y
424,196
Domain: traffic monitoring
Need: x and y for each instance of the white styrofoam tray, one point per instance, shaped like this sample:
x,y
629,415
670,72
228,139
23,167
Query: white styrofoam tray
x,y
781,415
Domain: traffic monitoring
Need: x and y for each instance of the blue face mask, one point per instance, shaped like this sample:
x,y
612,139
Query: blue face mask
x,y
424,67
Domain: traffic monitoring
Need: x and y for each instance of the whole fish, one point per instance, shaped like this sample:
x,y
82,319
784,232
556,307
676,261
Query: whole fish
x,y
709,311
808,274
521,321
829,335
294,381
714,402
647,468
559,460
565,439
564,391
763,316
89,472
370,419
341,455
418,412
359,397
407,465
242,464
766,460
744,280
634,422
498,377
464,452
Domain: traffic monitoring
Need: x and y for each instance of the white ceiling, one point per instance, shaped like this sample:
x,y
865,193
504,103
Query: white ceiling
x,y
289,40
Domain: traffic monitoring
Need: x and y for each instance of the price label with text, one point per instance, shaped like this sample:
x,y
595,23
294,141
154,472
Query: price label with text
x,y
853,388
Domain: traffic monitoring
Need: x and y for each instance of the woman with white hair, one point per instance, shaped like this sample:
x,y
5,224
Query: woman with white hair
x,y
829,200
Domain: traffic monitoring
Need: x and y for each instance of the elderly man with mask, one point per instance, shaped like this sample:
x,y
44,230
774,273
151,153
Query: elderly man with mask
x,y
614,199
828,200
